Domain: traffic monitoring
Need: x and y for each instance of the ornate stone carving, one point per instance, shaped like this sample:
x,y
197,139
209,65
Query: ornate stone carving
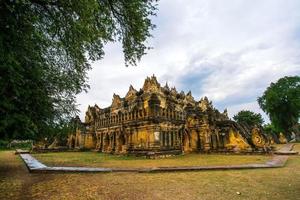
x,y
282,138
131,94
258,139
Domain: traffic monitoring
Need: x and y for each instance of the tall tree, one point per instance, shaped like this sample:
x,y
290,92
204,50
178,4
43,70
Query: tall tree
x,y
45,48
248,117
281,101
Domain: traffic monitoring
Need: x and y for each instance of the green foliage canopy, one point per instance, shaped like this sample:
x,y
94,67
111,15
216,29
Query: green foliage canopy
x,y
248,117
281,101
45,48
269,129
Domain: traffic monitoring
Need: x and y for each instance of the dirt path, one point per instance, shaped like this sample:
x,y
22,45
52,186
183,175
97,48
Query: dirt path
x,y
14,175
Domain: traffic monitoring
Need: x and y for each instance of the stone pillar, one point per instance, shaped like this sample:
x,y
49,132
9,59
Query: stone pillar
x,y
106,141
101,142
117,147
97,141
161,138
207,140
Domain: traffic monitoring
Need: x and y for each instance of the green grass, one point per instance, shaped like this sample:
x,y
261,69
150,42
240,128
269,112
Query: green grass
x,y
94,159
257,184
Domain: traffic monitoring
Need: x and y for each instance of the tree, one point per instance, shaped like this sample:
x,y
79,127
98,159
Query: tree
x,y
281,101
269,129
248,117
45,49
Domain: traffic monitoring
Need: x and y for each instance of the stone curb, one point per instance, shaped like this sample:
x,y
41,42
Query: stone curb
x,y
34,166
286,153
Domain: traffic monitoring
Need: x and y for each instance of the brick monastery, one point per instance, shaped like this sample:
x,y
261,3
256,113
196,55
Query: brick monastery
x,y
159,119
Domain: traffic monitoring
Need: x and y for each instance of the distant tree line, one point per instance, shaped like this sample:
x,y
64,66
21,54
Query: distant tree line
x,y
248,117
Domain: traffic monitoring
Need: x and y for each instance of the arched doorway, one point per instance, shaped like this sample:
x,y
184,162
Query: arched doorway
x,y
186,141
121,142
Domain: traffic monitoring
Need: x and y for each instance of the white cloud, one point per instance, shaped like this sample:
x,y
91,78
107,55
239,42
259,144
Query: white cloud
x,y
227,50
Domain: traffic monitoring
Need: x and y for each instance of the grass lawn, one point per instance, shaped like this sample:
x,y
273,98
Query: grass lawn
x,y
94,159
262,184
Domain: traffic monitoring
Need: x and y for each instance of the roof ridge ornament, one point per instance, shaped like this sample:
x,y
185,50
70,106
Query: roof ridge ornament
x,y
151,84
131,92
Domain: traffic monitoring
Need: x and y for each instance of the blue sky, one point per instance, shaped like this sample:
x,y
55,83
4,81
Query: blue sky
x,y
229,51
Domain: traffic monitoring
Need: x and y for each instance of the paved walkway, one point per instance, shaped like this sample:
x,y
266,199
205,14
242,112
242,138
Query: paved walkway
x,y
286,150
35,166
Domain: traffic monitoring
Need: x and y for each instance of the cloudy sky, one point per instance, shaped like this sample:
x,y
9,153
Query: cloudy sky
x,y
229,51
